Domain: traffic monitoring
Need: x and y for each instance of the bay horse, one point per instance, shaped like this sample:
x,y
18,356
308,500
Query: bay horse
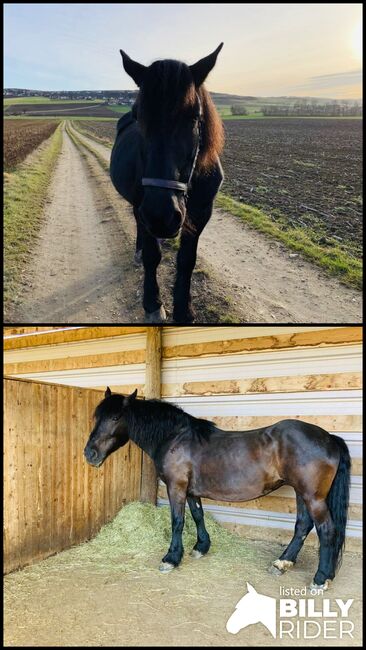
x,y
165,163
197,459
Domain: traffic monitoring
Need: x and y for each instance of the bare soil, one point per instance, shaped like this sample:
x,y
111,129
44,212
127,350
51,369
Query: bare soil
x,y
306,173
95,606
85,110
82,268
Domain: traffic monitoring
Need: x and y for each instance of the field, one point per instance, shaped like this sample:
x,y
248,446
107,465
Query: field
x,y
61,109
8,101
21,137
302,173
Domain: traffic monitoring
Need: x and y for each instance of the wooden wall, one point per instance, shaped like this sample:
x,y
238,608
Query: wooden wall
x,y
240,377
52,498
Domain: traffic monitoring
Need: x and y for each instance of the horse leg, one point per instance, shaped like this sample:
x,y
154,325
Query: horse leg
x,y
139,238
177,499
186,261
203,539
151,256
303,526
325,528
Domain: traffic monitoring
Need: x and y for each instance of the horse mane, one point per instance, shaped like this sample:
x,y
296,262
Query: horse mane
x,y
167,90
213,137
155,421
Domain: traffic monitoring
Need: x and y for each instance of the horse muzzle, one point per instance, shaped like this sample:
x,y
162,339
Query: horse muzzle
x,y
92,457
164,226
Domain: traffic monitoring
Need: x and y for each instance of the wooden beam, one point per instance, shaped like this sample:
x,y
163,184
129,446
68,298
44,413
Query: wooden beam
x,y
256,385
17,331
149,483
70,334
321,338
74,363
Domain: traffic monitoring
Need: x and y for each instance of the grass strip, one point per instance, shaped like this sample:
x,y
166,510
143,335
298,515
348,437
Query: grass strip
x,y
25,191
80,143
336,261
92,136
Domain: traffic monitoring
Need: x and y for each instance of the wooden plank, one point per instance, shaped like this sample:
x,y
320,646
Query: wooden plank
x,y
152,391
11,474
53,499
23,422
69,334
316,338
332,423
80,470
283,384
74,363
17,331
34,487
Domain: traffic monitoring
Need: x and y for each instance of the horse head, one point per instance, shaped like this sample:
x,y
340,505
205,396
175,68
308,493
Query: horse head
x,y
110,430
169,111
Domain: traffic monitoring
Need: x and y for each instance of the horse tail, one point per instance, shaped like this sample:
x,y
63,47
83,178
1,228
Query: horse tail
x,y
338,500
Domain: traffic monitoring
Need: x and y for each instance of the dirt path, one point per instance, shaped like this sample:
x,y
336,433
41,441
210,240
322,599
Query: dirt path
x,y
77,269
271,283
82,270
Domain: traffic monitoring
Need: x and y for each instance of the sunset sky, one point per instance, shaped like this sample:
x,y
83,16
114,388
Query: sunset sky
x,y
269,49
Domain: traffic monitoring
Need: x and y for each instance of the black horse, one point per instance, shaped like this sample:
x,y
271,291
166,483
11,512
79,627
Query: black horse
x,y
165,163
196,459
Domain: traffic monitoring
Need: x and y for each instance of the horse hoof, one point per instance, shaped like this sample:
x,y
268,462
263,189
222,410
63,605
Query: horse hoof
x,y
317,590
138,257
196,554
157,316
278,567
166,567
274,571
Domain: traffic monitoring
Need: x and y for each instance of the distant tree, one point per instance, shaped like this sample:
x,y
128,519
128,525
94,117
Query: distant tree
x,y
238,109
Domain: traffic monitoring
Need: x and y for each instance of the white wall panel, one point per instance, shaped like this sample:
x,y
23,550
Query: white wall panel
x,y
283,404
269,519
264,364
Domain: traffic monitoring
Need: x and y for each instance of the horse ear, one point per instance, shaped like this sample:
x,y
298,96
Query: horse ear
x,y
201,69
130,398
251,589
108,392
134,69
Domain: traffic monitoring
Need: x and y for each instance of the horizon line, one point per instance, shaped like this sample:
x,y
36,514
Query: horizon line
x,y
210,91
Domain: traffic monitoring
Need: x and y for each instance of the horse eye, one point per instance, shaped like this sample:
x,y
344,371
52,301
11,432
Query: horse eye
x,y
115,418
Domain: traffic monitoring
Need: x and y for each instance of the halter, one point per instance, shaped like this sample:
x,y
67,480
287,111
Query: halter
x,y
178,185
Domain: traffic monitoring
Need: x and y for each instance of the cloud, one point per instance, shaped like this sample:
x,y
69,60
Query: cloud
x,y
333,80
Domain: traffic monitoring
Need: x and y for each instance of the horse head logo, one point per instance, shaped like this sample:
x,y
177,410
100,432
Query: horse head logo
x,y
253,608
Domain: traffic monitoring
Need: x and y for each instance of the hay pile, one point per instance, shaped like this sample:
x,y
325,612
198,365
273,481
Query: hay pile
x,y
138,538
141,530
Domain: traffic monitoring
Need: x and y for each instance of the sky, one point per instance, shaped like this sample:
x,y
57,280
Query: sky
x,y
269,49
